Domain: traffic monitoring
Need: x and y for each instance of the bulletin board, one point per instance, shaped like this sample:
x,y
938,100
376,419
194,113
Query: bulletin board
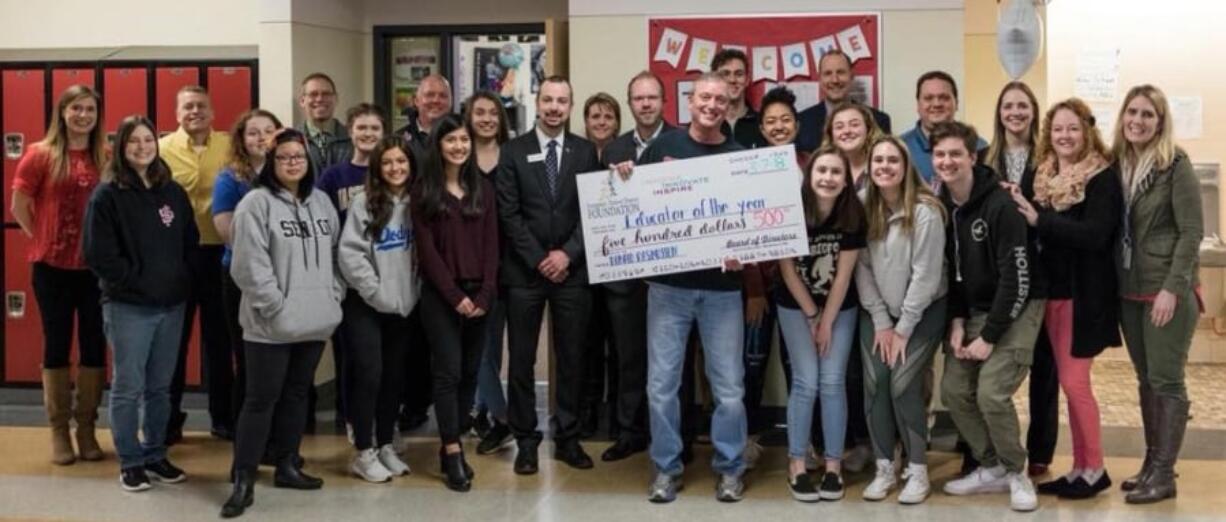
x,y
781,49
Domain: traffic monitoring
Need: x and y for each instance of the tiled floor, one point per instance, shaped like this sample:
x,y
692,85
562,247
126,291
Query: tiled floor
x,y
32,489
1115,386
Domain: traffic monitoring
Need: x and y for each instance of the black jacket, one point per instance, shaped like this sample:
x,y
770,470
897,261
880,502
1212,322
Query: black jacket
x,y
748,131
1077,248
137,242
989,256
534,221
812,123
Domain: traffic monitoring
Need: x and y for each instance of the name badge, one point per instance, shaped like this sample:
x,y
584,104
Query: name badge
x,y
536,158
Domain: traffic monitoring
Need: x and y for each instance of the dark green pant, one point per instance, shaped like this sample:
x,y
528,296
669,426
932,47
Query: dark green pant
x,y
894,399
1159,355
979,394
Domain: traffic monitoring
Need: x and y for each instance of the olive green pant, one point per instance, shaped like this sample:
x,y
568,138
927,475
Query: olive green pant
x,y
1159,355
979,394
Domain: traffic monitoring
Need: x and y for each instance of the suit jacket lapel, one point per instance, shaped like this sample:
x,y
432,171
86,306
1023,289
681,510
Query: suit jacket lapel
x,y
566,170
536,169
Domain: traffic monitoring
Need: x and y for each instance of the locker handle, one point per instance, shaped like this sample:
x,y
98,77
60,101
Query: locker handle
x,y
15,302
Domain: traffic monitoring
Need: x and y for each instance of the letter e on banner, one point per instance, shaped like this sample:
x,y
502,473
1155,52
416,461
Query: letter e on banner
x,y
795,60
821,46
701,52
851,41
672,44
765,63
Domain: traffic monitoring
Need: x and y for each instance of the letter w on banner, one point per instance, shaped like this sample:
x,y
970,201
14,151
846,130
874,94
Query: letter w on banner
x,y
672,44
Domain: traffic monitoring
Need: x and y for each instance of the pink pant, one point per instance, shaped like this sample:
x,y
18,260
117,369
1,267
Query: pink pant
x,y
1074,373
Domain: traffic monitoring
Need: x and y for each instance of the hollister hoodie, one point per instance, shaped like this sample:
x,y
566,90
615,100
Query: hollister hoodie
x,y
382,270
989,256
284,263
136,240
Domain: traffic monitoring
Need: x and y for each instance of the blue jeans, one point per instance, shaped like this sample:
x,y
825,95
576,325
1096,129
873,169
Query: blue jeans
x,y
145,340
810,374
720,316
489,382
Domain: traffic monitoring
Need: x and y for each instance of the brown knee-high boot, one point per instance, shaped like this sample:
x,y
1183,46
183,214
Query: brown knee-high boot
x,y
1150,423
57,397
1172,417
90,382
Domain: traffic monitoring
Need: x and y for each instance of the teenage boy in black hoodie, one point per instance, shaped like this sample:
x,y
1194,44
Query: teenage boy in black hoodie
x,y
996,317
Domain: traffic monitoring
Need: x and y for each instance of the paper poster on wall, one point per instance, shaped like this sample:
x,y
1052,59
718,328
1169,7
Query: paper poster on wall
x,y
1098,74
1188,114
779,49
861,87
808,93
412,59
510,66
1104,119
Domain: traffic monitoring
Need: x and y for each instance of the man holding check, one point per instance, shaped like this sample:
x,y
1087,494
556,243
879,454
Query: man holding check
x,y
710,297
538,208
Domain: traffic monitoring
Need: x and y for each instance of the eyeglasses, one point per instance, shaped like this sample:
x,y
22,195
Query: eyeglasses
x,y
296,158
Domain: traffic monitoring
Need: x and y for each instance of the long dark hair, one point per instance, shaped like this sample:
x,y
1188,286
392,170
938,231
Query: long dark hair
x,y
122,173
378,193
848,211
268,175
504,132
432,184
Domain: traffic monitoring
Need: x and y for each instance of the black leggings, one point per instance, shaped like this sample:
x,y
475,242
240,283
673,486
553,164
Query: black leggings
x,y
456,343
61,295
278,379
217,370
375,348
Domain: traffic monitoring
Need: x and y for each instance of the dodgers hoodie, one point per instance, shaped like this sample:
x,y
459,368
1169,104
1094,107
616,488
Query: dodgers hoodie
x,y
989,256
283,262
382,270
137,239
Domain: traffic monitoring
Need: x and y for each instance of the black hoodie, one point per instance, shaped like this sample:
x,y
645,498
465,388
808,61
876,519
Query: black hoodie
x,y
989,256
137,241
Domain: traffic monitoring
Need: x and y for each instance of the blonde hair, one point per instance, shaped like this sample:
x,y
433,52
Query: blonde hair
x,y
914,193
1160,152
56,140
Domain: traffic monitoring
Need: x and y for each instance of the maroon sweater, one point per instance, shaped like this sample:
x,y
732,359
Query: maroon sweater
x,y
453,248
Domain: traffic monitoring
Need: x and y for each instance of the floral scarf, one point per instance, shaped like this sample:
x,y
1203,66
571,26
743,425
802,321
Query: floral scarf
x,y
1061,190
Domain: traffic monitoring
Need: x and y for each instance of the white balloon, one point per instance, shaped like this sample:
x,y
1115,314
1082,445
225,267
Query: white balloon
x,y
1019,37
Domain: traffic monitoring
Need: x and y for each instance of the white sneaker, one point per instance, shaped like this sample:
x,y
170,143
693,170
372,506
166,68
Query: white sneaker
x,y
391,461
1021,493
857,458
366,465
917,488
349,432
982,480
753,452
399,443
882,483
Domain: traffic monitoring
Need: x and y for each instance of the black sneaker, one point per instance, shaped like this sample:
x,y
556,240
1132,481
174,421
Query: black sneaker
x,y
1082,488
1054,487
498,437
164,471
803,488
832,486
134,479
481,424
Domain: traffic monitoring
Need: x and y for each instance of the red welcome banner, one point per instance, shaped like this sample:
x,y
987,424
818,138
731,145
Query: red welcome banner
x,y
781,50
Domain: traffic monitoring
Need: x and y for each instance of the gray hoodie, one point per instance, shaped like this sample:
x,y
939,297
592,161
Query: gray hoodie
x,y
904,273
283,263
384,271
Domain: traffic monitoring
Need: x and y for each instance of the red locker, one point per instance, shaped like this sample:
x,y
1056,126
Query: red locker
x,y
230,89
24,121
167,82
125,92
23,332
64,78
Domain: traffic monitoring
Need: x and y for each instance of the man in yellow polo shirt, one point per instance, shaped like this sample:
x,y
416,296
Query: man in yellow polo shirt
x,y
196,153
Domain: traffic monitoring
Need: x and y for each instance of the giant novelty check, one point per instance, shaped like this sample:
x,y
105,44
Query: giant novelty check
x,y
692,214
